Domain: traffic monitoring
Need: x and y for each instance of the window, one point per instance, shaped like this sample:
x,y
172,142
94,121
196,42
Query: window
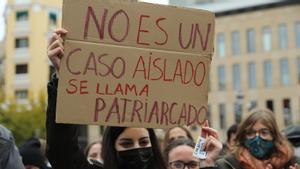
x,y
222,115
21,15
267,39
284,72
221,78
268,80
251,75
238,111
221,45
21,43
21,94
269,105
235,43
297,27
287,112
236,73
283,37
52,18
22,69
250,41
298,69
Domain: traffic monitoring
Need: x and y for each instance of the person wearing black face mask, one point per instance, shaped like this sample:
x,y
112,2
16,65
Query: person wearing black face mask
x,y
260,145
134,148
123,147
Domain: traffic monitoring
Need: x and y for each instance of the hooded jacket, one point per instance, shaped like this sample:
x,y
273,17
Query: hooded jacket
x,y
31,153
62,149
9,155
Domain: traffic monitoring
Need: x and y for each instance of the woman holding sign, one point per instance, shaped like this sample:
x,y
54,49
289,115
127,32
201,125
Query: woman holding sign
x,y
123,147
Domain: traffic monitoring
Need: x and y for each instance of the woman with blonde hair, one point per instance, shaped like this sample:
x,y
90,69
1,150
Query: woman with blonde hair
x,y
260,145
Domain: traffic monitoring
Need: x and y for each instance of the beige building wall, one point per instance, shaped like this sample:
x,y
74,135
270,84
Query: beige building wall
x,y
241,22
2,55
37,29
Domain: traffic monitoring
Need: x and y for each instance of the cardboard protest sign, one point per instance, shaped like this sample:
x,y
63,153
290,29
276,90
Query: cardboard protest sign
x,y
134,64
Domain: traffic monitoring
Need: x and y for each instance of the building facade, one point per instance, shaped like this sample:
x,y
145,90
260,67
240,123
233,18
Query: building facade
x,y
2,57
28,27
256,63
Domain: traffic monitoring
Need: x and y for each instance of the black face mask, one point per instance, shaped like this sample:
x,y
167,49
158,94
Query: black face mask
x,y
139,158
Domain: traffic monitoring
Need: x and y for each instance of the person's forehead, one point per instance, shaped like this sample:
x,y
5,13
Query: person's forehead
x,y
134,133
259,125
183,153
96,147
177,131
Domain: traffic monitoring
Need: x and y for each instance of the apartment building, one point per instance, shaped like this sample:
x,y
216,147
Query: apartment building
x,y
29,24
256,62
2,56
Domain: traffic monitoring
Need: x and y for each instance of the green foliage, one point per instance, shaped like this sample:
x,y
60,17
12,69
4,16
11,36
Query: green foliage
x,y
25,120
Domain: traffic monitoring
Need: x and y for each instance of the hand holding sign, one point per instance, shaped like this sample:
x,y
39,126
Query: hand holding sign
x,y
211,145
55,50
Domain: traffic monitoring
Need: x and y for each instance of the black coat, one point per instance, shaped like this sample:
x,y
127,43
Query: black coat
x,y
63,150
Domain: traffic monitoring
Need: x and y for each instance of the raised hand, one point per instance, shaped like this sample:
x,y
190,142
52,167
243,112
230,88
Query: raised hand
x,y
55,50
213,145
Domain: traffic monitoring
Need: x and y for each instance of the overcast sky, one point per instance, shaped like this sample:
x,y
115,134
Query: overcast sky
x,y
2,5
3,2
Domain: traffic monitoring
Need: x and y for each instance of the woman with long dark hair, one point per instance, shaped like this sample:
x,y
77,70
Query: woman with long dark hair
x,y
134,148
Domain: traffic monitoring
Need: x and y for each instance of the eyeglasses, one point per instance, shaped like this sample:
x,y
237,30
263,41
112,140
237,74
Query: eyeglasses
x,y
182,165
263,133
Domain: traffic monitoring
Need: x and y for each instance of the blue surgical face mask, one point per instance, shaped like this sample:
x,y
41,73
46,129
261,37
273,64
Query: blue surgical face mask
x,y
260,148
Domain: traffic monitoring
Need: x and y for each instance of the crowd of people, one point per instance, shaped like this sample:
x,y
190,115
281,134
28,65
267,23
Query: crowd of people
x,y
256,143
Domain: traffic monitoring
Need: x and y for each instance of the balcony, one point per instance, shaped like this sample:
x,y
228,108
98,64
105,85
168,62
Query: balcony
x,y
21,81
22,28
21,55
22,2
